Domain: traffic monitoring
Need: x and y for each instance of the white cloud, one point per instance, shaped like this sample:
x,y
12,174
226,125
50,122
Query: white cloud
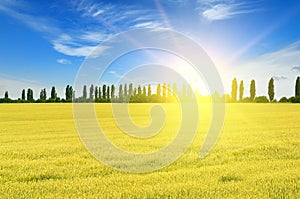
x,y
149,24
14,86
224,11
98,13
96,36
63,61
277,64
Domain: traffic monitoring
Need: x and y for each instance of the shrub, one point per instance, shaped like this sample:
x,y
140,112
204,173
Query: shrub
x,y
261,99
283,99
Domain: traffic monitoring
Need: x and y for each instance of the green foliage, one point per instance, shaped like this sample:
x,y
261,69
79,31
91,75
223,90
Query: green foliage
x,y
84,93
112,92
91,97
149,90
43,95
261,99
234,87
158,90
297,87
283,99
23,97
271,91
252,90
30,95
294,99
104,93
53,94
6,95
241,94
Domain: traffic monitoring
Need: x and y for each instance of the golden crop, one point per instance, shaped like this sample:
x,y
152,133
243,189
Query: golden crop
x,y
257,155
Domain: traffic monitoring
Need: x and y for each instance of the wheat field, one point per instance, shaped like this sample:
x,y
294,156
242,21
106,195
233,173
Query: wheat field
x,y
257,155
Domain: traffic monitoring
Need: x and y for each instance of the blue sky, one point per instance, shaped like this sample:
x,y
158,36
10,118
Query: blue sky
x,y
44,43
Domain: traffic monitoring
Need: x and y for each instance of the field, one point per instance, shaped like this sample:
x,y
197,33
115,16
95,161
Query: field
x,y
257,155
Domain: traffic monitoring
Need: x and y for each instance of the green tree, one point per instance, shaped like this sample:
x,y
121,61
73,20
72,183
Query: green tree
x,y
96,93
183,90
53,93
169,91
130,92
144,90
189,91
252,90
23,94
241,90
112,92
139,90
100,93
271,91
297,87
125,90
149,90
91,98
164,90
158,90
108,92
69,93
84,93
43,95
104,95
234,87
6,95
175,91
30,95
121,92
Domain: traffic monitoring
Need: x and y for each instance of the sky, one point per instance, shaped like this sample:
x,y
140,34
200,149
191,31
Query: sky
x,y
44,44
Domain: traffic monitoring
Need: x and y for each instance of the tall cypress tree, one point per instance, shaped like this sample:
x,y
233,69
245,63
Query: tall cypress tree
x,y
53,93
6,95
84,93
108,92
144,90
91,98
175,91
139,90
125,90
164,90
30,95
130,91
23,94
121,92
234,87
149,90
96,93
252,90
297,87
241,93
271,91
104,91
112,92
158,90
183,91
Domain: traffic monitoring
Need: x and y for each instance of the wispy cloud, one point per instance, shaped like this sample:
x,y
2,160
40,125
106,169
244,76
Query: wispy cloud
x,y
15,85
149,24
63,61
223,9
92,23
278,78
296,68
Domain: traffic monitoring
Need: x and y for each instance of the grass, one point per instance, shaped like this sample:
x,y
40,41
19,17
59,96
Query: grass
x,y
257,155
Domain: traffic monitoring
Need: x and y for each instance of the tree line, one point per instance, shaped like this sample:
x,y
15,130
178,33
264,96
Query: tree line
x,y
108,93
260,99
144,94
